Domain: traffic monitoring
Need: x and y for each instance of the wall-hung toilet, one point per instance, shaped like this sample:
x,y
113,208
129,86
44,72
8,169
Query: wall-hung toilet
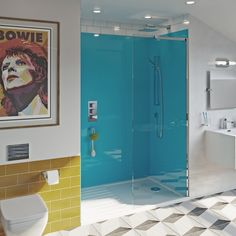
x,y
24,216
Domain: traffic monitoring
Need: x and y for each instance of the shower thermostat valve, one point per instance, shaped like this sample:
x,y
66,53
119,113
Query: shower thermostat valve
x,y
92,111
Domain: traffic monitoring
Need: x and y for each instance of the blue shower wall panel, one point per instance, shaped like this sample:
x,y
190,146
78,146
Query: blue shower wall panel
x,y
141,108
168,154
106,78
116,72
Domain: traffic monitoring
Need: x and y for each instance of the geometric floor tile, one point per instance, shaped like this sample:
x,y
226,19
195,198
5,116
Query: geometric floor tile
x,y
169,214
227,210
206,232
112,226
173,218
187,207
220,224
229,230
233,202
228,196
158,229
83,231
143,219
219,206
208,216
185,226
197,211
145,226
121,232
209,202
196,231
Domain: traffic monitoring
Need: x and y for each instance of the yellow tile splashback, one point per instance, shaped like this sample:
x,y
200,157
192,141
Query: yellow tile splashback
x,y
62,200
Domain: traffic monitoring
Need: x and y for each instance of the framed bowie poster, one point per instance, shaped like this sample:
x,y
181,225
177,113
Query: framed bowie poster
x,y
29,73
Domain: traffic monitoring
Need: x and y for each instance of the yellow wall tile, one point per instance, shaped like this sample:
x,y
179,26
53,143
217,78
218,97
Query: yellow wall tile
x,y
39,165
39,187
74,202
47,229
75,181
29,177
71,212
61,162
69,171
63,183
17,168
75,222
2,170
2,193
60,225
75,161
60,204
16,191
51,195
62,200
8,181
71,192
54,216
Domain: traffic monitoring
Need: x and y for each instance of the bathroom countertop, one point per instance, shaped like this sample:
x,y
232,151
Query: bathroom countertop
x,y
229,132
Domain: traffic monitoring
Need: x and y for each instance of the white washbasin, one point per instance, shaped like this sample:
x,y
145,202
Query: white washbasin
x,y
231,132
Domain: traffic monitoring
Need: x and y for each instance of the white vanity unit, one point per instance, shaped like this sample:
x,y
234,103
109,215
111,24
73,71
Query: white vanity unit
x,y
221,147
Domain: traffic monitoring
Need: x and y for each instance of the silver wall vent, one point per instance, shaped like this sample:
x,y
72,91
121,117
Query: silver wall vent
x,y
17,152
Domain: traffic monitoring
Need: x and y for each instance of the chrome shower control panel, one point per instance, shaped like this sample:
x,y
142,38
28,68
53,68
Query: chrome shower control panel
x,y
92,111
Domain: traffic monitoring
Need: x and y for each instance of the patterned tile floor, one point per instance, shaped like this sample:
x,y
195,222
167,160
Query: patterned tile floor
x,y
208,216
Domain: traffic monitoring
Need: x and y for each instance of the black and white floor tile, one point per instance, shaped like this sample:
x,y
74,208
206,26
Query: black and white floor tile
x,y
208,216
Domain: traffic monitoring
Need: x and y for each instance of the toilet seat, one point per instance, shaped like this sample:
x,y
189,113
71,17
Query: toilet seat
x,y
23,209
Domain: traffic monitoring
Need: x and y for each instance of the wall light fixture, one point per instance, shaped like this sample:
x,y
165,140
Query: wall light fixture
x,y
224,63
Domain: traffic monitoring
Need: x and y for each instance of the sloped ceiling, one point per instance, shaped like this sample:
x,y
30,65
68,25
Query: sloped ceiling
x,y
218,14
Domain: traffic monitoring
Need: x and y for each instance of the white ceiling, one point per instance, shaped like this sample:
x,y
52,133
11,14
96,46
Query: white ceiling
x,y
218,14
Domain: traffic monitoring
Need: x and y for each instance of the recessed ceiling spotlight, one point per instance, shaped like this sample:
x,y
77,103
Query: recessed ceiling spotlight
x,y
96,10
190,2
116,28
186,22
148,17
96,35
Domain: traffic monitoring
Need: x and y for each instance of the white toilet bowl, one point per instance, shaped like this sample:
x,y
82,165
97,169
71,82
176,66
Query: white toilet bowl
x,y
24,216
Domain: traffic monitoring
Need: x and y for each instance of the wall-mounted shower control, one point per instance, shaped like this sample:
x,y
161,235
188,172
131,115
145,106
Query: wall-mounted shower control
x,y
92,111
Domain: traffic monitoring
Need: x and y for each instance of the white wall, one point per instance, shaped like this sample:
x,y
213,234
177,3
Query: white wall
x,y
205,46
63,140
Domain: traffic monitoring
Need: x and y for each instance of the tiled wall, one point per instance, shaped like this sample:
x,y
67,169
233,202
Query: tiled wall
x,y
63,199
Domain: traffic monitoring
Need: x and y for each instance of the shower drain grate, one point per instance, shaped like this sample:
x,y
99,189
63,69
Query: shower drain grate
x,y
155,189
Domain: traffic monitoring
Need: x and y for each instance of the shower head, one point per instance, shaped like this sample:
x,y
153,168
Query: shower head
x,y
153,28
155,61
149,28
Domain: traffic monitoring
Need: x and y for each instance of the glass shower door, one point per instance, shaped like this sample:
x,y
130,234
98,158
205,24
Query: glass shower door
x,y
160,108
107,80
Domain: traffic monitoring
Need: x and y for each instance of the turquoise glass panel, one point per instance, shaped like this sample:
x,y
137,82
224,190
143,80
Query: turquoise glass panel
x,y
118,74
